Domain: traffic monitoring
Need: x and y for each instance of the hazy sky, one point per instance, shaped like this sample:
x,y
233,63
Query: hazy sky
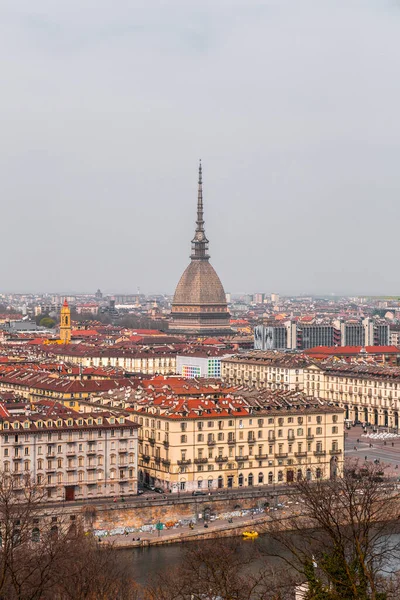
x,y
293,106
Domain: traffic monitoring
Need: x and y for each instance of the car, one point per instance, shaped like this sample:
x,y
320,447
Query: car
x,y
198,493
158,490
140,492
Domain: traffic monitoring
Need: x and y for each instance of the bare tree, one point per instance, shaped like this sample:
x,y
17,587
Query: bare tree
x,y
341,539
224,569
43,558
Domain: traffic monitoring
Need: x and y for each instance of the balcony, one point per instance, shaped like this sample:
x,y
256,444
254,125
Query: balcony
x,y
251,440
320,453
184,462
200,461
300,454
71,452
310,436
71,468
291,438
166,462
211,442
91,467
232,441
241,458
146,457
271,438
157,460
335,452
50,455
281,455
261,456
166,444
17,457
123,450
91,452
221,459
152,440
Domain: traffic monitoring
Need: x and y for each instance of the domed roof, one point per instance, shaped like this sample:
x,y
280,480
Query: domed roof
x,y
199,284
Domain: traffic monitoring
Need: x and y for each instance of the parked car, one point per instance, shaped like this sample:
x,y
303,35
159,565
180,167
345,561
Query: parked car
x,y
158,490
198,493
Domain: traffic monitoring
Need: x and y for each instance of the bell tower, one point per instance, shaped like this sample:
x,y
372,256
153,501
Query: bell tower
x,y
65,323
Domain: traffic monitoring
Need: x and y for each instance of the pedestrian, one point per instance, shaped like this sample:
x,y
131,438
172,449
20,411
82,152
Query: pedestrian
x,y
392,444
366,457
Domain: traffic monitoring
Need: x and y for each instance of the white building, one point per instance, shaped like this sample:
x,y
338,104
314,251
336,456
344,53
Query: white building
x,y
73,456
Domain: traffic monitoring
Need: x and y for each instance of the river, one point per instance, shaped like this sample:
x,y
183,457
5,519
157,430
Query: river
x,y
149,562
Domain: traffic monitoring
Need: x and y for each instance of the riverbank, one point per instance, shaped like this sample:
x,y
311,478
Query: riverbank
x,y
199,532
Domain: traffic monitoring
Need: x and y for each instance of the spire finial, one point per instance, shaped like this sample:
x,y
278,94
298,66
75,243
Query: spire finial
x,y
200,242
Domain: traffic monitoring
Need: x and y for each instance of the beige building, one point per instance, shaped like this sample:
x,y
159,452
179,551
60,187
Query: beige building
x,y
265,370
148,362
268,438
367,393
73,456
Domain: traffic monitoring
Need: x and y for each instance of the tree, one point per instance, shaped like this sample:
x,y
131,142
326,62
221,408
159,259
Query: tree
x,y
47,322
43,557
341,542
220,569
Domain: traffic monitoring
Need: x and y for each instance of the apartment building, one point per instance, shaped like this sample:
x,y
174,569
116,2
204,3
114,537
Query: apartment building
x,y
265,370
34,386
147,361
367,393
72,456
247,439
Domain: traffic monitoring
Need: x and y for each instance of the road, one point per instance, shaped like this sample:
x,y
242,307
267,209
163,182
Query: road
x,y
269,492
387,454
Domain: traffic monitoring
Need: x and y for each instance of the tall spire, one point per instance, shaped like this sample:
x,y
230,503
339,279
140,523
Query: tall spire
x,y
200,242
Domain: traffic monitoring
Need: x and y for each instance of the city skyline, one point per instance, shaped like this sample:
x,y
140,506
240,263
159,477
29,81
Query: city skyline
x,y
106,114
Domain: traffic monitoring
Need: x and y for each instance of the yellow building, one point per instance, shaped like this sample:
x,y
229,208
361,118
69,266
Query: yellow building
x,y
65,323
210,444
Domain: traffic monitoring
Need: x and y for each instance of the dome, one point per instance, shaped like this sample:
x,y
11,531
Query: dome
x,y
199,285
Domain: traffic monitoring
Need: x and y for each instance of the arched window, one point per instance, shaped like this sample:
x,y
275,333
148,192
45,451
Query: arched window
x,y
318,473
220,481
280,475
299,475
270,477
308,475
35,534
260,478
240,479
251,479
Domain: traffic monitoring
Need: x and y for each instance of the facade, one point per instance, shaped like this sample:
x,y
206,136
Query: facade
x,y
73,456
199,306
352,333
149,362
366,392
65,323
204,445
311,335
192,366
265,370
272,337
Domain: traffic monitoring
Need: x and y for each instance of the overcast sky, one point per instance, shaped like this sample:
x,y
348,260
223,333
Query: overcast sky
x,y
293,106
